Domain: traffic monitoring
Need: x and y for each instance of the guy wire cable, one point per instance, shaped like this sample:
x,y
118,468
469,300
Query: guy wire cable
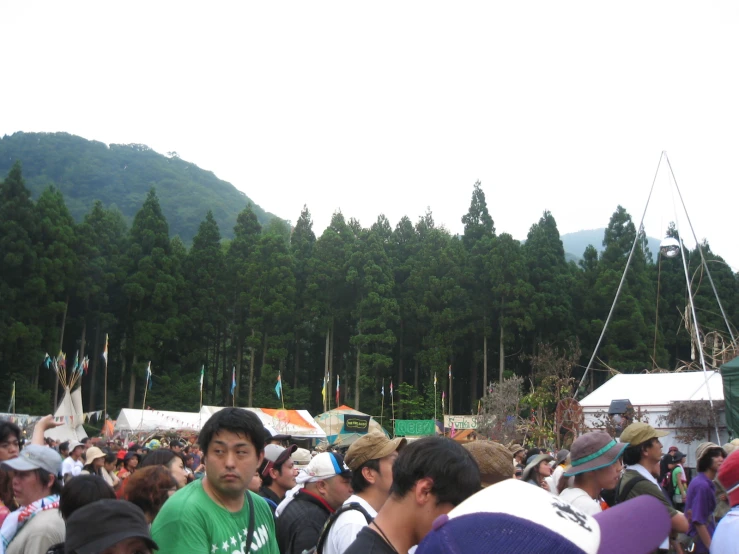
x,y
623,278
700,249
692,308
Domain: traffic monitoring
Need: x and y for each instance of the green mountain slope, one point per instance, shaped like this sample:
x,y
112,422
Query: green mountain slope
x,y
122,175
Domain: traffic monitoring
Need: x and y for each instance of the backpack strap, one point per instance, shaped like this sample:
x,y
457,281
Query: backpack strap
x,y
252,521
331,520
624,493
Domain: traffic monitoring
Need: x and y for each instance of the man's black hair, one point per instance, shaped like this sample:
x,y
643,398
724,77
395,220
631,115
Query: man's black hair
x,y
44,476
454,473
83,490
533,452
235,420
64,446
8,428
705,463
634,452
359,483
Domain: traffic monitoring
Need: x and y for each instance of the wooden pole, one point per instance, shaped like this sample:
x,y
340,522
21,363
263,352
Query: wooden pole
x,y
382,402
392,405
105,384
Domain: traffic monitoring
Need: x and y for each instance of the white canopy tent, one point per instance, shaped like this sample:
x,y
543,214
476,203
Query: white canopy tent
x,y
70,412
296,423
653,393
131,420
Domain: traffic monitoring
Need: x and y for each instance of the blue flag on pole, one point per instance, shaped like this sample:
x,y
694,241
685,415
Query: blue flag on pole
x,y
278,386
233,380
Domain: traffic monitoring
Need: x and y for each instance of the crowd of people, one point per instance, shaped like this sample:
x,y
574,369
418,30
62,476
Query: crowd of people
x,y
250,491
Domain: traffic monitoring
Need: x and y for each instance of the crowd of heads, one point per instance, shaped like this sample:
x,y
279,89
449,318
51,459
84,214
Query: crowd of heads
x,y
432,492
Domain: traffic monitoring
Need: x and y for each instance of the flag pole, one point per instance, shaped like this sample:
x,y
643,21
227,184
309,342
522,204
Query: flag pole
x,y
105,385
434,398
382,405
146,388
392,404
13,397
282,389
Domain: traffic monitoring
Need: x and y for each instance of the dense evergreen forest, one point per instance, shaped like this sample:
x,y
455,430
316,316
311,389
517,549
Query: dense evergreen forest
x,y
366,305
121,175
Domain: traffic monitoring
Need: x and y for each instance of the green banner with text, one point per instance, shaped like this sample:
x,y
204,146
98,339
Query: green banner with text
x,y
414,427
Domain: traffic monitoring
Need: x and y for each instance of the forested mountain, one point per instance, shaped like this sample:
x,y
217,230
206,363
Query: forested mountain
x,y
576,243
407,302
120,176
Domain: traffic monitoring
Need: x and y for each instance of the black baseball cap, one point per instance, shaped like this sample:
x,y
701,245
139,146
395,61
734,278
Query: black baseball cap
x,y
103,524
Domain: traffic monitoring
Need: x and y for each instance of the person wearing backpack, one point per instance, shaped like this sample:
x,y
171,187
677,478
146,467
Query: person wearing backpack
x,y
642,457
678,487
371,459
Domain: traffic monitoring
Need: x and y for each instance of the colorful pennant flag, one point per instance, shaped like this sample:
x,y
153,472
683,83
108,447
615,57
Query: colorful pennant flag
x,y
105,350
11,406
450,372
323,390
47,361
337,390
233,381
434,378
382,390
391,387
84,365
202,377
278,386
443,396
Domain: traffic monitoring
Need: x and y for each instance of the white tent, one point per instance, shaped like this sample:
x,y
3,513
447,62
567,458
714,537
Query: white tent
x,y
131,420
70,412
653,393
296,423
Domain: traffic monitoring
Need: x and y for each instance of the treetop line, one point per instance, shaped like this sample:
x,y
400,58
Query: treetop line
x,y
363,304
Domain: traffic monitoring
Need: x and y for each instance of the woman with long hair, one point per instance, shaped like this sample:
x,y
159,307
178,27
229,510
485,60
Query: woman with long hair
x,y
173,461
537,470
108,471
10,444
94,462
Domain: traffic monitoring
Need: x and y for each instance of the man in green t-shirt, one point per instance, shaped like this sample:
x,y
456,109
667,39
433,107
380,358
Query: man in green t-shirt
x,y
212,515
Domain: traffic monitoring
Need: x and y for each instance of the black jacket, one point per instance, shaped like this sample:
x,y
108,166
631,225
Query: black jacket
x,y
300,523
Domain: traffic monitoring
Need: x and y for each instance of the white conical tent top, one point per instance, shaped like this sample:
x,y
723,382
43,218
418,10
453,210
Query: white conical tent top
x,y
70,410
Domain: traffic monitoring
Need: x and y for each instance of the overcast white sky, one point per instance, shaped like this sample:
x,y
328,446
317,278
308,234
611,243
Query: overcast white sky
x,y
390,107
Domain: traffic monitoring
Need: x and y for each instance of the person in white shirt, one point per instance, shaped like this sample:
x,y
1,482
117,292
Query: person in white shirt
x,y
724,538
371,459
72,464
596,466
562,460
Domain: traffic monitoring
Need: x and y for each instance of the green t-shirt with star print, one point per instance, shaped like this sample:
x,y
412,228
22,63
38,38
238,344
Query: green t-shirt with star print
x,y
190,521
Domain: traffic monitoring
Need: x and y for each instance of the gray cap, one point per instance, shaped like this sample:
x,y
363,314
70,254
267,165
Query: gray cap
x,y
35,456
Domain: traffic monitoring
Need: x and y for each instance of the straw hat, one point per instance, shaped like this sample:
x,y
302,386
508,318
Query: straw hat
x,y
494,460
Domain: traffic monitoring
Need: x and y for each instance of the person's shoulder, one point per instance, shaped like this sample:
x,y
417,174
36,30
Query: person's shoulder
x,y
260,505
368,542
189,499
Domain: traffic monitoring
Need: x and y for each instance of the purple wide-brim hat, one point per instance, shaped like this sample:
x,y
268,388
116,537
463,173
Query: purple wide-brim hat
x,y
593,451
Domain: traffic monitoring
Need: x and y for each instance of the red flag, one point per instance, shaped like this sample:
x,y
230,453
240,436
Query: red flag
x,y
337,390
